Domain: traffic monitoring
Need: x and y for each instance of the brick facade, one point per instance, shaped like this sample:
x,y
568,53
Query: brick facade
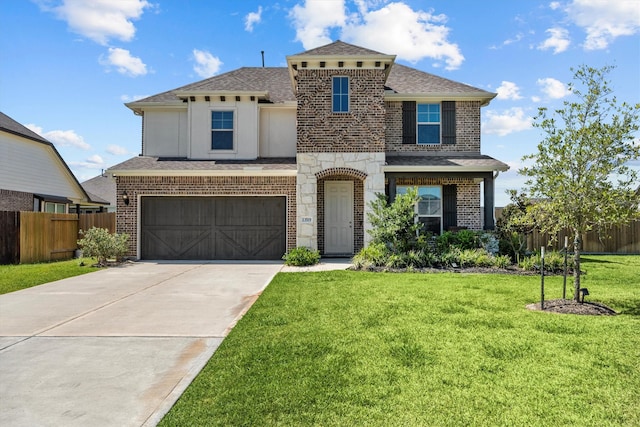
x,y
467,130
135,186
360,130
15,201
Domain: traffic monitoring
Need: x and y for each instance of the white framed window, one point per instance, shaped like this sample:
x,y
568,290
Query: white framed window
x,y
428,123
429,207
222,130
52,207
340,94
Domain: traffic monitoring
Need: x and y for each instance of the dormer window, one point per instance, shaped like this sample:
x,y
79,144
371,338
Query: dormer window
x,y
340,94
222,130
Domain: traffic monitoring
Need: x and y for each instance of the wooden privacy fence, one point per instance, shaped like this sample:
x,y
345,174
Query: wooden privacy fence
x,y
28,237
624,239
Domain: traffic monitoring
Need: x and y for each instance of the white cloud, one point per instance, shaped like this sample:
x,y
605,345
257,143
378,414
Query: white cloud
x,y
60,138
553,88
508,90
206,64
412,35
124,63
558,40
314,20
554,5
131,98
96,160
511,120
605,20
100,20
117,150
394,28
252,18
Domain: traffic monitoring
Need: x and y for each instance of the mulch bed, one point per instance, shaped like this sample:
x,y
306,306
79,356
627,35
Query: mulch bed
x,y
566,306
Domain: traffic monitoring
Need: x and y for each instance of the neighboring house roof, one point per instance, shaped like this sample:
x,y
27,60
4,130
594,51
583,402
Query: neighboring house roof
x,y
274,85
7,124
444,162
146,165
102,188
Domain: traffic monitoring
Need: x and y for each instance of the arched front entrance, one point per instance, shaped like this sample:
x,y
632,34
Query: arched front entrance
x,y
340,211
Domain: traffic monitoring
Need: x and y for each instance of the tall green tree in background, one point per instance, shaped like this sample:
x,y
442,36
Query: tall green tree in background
x,y
580,175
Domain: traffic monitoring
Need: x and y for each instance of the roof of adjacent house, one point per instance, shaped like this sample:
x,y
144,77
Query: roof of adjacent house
x,y
101,187
274,84
7,124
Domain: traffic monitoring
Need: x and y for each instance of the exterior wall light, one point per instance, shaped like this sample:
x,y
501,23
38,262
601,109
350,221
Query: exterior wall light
x,y
125,198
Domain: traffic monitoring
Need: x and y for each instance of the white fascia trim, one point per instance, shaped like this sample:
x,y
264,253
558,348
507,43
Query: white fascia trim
x,y
442,169
444,96
249,171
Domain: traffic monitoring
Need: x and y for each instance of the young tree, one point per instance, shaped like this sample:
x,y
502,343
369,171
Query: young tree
x,y
515,224
581,175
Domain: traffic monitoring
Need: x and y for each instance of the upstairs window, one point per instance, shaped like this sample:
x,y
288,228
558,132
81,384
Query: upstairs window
x,y
340,94
222,130
428,121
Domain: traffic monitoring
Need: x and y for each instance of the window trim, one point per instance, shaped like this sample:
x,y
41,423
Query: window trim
x,y
233,131
340,95
439,123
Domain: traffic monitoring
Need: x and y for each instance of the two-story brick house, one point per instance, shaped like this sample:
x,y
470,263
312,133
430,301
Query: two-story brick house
x,y
250,163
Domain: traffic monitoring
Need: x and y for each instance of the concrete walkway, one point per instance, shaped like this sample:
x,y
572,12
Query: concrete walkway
x,y
117,347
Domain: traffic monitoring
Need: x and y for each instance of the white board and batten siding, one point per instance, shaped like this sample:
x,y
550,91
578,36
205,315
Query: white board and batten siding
x,y
258,131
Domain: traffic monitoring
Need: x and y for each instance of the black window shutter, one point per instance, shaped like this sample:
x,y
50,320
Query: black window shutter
x,y
449,206
448,122
408,122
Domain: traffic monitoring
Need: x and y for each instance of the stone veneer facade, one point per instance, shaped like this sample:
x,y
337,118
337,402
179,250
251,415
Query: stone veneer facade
x,y
136,186
15,201
467,130
347,166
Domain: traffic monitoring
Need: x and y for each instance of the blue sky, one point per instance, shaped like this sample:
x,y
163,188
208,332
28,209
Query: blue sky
x,y
67,66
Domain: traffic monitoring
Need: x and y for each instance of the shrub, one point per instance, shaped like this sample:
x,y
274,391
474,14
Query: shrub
x,y
99,243
467,239
553,262
502,261
374,255
301,256
490,242
394,224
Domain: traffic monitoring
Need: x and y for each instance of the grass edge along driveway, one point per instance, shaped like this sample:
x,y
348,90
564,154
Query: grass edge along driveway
x,y
15,277
355,348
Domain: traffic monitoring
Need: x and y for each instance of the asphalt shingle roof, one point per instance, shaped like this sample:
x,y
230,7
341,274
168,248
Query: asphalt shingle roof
x,y
276,81
9,125
171,164
470,160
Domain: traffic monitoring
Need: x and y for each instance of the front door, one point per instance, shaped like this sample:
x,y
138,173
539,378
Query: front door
x,y
338,217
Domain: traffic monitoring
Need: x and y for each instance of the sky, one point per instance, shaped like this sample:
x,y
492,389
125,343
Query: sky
x,y
68,66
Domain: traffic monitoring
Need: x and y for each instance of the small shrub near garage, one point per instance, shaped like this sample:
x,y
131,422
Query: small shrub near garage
x,y
99,243
302,256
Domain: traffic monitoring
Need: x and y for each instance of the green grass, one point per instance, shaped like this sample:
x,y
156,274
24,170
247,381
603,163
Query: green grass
x,y
22,276
355,348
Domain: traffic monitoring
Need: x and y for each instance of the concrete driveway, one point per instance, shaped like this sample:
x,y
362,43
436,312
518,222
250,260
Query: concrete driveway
x,y
117,347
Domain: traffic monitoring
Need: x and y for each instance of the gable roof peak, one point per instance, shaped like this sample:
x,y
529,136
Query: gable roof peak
x,y
340,48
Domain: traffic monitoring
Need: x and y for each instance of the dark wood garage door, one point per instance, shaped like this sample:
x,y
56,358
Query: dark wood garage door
x,y
206,228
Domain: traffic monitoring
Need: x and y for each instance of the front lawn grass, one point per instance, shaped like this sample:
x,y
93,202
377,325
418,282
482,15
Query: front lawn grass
x,y
22,276
355,348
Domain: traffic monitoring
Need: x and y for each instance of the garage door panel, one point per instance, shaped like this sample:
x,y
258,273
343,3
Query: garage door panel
x,y
225,228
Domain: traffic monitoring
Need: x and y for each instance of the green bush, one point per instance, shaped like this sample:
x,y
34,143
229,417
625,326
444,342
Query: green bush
x,y
302,256
99,243
374,255
553,262
394,224
503,261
